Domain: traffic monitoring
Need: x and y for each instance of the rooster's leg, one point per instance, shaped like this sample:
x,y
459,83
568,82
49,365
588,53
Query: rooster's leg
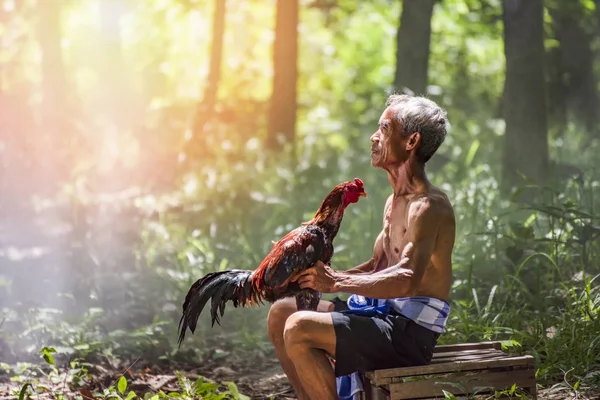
x,y
308,299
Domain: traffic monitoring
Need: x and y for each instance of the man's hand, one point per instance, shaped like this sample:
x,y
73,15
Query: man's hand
x,y
319,277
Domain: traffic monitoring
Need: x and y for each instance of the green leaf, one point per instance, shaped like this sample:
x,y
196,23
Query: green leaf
x,y
529,220
521,232
131,395
122,385
481,389
46,352
589,5
472,152
5,367
448,395
235,392
507,344
24,390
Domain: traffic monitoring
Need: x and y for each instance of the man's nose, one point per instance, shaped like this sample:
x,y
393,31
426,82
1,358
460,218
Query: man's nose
x,y
375,137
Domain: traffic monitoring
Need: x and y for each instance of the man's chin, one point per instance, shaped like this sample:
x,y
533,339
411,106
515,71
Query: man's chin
x,y
375,161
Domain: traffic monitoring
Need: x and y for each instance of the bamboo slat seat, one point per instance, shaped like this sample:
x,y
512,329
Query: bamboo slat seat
x,y
461,369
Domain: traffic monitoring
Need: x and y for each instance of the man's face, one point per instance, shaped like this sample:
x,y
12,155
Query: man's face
x,y
386,148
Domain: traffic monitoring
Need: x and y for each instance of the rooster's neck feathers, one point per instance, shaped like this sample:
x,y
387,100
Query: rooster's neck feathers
x,y
330,213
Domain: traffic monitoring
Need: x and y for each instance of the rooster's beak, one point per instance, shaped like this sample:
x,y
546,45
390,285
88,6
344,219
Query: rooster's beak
x,y
363,194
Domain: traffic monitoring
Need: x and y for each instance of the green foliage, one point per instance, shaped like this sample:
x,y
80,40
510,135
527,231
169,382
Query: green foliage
x,y
77,379
526,274
46,352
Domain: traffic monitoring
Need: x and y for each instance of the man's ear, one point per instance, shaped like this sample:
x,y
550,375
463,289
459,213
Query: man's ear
x,y
413,141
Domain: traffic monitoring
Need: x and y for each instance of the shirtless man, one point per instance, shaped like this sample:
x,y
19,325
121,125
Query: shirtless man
x,y
408,278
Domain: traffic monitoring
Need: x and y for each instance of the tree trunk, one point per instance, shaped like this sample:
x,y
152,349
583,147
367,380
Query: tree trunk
x,y
207,107
597,4
53,130
577,64
526,137
282,112
412,46
557,109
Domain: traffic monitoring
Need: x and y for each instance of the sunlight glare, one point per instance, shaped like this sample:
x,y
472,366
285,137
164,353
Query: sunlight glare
x,y
211,179
252,144
191,186
9,5
198,25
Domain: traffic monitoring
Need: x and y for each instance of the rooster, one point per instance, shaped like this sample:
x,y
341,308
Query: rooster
x,y
297,251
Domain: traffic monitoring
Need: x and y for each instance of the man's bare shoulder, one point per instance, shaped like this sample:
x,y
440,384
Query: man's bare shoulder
x,y
443,203
433,204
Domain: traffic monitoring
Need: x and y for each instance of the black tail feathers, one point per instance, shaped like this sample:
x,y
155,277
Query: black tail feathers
x,y
220,287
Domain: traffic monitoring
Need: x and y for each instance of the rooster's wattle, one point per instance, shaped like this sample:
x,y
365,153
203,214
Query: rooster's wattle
x,y
297,251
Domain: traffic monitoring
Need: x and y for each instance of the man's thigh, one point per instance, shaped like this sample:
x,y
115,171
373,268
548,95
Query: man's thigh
x,y
364,343
289,303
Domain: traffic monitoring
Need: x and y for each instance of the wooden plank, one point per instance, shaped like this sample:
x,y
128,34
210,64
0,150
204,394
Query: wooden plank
x,y
380,376
467,346
468,383
454,354
388,381
463,352
469,358
458,366
482,382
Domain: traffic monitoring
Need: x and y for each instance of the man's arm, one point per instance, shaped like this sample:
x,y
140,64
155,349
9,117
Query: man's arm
x,y
400,280
363,268
374,263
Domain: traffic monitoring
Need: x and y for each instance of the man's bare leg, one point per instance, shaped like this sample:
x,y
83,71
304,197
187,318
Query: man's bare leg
x,y
309,337
279,313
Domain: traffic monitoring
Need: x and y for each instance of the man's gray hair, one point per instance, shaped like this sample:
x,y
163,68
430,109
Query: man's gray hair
x,y
419,114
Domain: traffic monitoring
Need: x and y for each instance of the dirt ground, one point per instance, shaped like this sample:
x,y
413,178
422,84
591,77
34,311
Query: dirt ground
x,y
265,380
268,382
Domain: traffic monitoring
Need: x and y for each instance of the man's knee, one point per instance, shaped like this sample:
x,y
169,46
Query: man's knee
x,y
278,314
297,330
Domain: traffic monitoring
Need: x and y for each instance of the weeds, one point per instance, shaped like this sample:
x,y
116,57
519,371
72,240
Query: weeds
x,y
78,379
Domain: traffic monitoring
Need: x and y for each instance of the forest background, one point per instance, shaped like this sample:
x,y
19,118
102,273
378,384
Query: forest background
x,y
144,144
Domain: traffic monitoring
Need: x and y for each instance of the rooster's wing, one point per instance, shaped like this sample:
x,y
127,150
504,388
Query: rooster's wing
x,y
295,252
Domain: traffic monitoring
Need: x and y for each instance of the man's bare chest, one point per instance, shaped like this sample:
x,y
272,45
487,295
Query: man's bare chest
x,y
394,231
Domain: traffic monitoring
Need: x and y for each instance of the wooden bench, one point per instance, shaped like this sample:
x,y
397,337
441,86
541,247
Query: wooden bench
x,y
460,369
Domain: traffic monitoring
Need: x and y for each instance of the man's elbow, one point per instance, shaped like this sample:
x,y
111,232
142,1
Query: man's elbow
x,y
407,286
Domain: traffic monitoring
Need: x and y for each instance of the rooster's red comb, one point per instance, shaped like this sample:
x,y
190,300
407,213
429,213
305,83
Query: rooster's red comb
x,y
359,183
